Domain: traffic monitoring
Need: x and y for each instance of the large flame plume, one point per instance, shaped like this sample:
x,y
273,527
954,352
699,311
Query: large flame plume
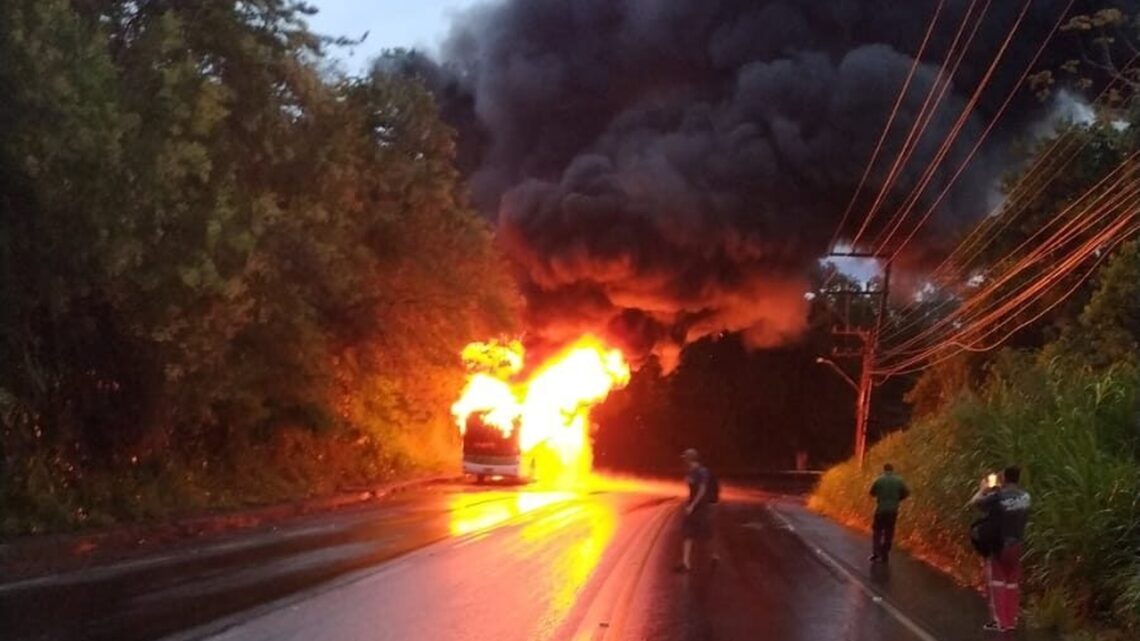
x,y
550,407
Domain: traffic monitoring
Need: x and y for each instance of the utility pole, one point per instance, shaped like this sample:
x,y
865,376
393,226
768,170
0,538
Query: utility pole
x,y
868,345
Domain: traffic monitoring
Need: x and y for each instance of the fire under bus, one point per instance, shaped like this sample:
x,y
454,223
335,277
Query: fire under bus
x,y
488,452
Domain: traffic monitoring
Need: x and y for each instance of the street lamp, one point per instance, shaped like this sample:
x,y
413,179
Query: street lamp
x,y
838,370
862,402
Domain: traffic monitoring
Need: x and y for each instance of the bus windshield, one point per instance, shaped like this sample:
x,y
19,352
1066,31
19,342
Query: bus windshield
x,y
481,439
487,452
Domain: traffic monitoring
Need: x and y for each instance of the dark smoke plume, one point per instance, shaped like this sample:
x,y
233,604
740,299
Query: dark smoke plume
x,y
663,170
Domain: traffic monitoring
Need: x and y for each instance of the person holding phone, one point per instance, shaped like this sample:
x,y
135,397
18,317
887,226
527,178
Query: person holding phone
x,y
889,491
1009,504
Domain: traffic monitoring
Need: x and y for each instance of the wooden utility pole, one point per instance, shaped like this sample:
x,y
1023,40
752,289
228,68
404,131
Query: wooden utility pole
x,y
868,344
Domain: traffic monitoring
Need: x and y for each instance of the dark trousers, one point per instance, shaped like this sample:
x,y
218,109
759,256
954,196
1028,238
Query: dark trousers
x,y
883,533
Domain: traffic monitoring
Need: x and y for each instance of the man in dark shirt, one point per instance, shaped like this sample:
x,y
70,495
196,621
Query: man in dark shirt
x,y
1010,505
889,491
696,524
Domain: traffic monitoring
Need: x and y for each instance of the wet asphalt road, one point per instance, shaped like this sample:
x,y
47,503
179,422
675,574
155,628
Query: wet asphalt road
x,y
458,563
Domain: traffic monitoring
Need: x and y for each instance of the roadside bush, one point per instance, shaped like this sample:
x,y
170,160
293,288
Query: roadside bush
x,y
1073,429
296,464
941,467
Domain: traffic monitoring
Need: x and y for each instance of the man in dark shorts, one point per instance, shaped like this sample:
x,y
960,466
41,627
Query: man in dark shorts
x,y
696,524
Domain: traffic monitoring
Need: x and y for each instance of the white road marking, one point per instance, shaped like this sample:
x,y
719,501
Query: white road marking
x,y
907,622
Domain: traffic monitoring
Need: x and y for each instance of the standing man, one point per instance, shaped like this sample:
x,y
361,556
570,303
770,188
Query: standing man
x,y
1010,505
696,523
889,491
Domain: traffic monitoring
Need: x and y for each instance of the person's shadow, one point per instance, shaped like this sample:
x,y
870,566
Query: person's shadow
x,y
699,595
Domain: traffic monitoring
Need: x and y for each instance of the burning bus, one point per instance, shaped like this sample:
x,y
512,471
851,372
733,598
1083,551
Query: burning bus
x,y
534,425
490,452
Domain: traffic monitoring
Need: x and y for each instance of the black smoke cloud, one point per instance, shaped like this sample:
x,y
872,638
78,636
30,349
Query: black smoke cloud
x,y
663,170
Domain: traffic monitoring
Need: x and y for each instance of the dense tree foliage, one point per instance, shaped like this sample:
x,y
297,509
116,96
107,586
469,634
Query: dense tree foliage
x,y
746,410
218,260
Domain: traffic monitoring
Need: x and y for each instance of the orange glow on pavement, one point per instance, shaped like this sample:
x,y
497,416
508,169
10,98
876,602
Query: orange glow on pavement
x,y
551,407
589,532
471,513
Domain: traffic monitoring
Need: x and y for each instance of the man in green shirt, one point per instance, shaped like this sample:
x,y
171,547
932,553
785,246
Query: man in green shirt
x,y
888,491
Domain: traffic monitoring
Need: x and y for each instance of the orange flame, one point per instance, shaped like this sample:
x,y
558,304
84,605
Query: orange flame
x,y
552,407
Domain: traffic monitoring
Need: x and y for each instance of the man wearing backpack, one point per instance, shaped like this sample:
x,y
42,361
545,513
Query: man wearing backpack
x,y
696,524
1008,507
889,491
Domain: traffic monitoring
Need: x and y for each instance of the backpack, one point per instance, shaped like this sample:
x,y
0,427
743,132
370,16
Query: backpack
x,y
985,536
713,489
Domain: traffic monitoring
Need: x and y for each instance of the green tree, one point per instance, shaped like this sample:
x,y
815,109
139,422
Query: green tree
x,y
1107,331
218,260
61,150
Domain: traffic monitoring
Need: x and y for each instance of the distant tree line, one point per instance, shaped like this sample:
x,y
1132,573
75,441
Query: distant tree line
x,y
752,410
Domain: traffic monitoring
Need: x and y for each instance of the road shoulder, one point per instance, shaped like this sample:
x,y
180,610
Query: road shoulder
x,y
940,607
33,557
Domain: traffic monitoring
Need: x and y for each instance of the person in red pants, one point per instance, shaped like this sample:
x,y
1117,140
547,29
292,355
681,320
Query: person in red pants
x,y
1009,505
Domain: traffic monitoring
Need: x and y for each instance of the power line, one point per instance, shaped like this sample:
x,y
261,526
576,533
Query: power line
x,y
990,320
996,308
1061,236
1125,166
951,354
939,88
1015,203
1056,240
887,128
1105,252
948,142
985,133
956,344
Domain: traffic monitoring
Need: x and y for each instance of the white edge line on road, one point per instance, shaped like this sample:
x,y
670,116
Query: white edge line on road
x,y
876,598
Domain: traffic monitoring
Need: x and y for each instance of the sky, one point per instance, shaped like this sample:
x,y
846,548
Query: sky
x,y
420,24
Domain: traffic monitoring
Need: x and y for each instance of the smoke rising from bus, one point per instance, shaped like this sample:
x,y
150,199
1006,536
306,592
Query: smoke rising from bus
x,y
665,170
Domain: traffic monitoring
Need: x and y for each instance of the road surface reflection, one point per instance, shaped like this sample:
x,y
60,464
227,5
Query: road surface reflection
x,y
471,513
586,531
561,539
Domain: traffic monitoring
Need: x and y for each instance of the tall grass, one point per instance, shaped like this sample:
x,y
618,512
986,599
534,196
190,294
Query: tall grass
x,y
1074,432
